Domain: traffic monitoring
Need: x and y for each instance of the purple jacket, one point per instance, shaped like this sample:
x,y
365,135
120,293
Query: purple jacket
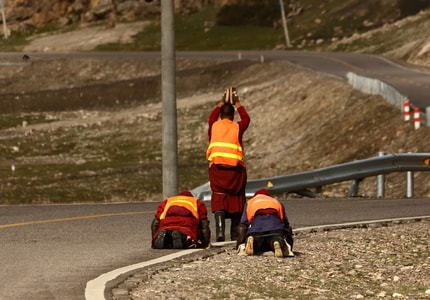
x,y
263,223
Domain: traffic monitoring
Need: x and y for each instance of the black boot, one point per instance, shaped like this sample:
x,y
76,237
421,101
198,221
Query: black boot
x,y
160,241
220,226
178,239
235,220
241,235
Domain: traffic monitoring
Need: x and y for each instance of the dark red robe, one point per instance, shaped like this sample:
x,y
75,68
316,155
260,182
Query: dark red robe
x,y
181,219
228,184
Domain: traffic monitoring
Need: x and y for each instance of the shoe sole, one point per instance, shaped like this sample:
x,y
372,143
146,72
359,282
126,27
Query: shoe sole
x,y
249,248
278,249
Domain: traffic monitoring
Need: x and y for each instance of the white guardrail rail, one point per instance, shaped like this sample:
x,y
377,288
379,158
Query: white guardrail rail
x,y
356,170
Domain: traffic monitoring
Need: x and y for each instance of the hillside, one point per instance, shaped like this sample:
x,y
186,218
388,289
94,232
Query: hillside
x,y
103,142
334,25
402,40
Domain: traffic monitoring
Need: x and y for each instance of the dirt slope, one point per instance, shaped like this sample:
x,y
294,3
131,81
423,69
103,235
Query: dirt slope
x,y
404,40
301,121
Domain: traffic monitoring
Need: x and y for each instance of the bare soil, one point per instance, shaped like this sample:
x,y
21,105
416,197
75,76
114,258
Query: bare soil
x,y
93,126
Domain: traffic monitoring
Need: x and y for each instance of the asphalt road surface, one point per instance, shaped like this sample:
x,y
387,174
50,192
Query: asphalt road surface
x,y
52,251
411,81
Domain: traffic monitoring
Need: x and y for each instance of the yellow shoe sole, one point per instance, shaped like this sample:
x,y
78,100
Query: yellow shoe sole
x,y
249,248
278,250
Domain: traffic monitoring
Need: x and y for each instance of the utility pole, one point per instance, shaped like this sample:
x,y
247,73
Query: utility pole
x,y
168,95
5,31
284,22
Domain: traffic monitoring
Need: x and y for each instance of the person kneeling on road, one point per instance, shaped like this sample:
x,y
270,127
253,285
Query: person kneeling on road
x,y
264,226
181,222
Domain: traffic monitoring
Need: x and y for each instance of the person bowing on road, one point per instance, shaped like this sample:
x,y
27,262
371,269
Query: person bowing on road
x,y
265,227
181,222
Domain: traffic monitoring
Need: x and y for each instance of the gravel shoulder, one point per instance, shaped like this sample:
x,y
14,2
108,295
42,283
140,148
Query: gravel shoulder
x,y
376,261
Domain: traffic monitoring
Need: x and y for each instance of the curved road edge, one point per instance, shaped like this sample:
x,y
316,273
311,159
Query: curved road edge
x,y
96,288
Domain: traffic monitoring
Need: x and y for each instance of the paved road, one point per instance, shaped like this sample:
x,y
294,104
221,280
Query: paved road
x,y
50,252
413,82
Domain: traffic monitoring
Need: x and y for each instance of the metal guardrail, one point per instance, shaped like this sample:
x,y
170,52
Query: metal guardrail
x,y
375,86
356,170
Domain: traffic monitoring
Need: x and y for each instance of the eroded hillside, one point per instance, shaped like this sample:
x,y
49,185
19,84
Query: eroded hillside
x,y
109,149
300,121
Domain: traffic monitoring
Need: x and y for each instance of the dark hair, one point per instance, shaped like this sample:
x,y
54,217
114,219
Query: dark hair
x,y
227,110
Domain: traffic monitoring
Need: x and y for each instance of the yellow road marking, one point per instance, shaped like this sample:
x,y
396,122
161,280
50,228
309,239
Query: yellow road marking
x,y
72,219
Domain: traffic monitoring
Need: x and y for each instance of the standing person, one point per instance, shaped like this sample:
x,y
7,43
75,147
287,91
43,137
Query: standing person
x,y
227,169
265,227
181,222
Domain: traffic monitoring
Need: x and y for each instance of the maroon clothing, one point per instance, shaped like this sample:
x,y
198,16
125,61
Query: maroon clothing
x,y
228,188
180,219
228,184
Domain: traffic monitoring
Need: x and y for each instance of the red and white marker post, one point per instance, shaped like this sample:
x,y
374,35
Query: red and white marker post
x,y
406,110
417,121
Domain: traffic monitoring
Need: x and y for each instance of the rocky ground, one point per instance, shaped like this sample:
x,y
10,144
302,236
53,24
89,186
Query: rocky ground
x,y
378,261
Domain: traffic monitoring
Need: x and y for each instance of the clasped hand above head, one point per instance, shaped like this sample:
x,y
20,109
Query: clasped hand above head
x,y
230,96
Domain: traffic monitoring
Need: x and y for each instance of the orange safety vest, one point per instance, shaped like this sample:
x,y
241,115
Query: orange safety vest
x,y
263,202
190,203
224,147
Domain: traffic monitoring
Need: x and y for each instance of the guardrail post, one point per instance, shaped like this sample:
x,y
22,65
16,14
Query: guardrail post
x,y
353,188
409,184
380,181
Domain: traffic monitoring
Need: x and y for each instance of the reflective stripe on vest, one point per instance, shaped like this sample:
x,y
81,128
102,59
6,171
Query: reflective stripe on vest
x,y
263,202
224,147
190,203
